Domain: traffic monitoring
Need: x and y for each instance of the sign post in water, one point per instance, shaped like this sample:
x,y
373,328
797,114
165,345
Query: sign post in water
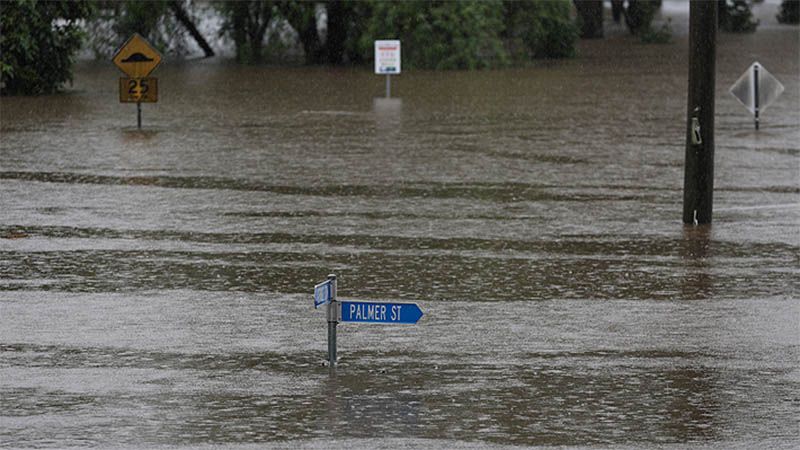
x,y
137,59
387,61
756,89
360,312
325,294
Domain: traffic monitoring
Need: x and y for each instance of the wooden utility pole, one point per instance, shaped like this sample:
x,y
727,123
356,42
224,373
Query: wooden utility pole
x,y
698,182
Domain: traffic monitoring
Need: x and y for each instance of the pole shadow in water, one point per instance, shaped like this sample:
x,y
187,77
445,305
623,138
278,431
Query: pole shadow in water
x,y
133,134
696,252
364,403
387,112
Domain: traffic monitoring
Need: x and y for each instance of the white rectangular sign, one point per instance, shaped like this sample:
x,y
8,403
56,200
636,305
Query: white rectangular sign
x,y
387,57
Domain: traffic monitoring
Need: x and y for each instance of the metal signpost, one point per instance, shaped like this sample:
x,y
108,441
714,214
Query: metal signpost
x,y
362,312
137,59
387,61
756,89
325,294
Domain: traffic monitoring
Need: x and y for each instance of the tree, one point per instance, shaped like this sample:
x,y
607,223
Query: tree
x,y
590,13
133,16
338,15
302,16
734,16
790,12
183,17
247,22
346,22
617,9
441,34
639,15
436,34
38,40
544,29
158,21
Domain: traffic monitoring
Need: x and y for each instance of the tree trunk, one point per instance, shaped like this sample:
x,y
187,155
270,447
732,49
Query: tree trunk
x,y
302,17
617,9
337,31
184,19
311,45
591,13
239,13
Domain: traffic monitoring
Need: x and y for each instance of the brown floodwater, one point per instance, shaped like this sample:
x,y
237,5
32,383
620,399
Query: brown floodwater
x,y
155,284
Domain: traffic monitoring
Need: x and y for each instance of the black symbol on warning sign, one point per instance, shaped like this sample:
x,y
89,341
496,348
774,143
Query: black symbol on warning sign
x,y
136,57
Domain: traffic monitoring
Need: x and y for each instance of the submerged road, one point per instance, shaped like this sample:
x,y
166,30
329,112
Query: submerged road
x,y
156,285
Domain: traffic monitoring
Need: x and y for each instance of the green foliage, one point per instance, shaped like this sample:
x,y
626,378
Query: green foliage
x,y
347,21
440,34
140,17
662,35
302,16
545,29
590,18
639,15
790,12
38,40
114,22
735,17
247,23
471,34
436,34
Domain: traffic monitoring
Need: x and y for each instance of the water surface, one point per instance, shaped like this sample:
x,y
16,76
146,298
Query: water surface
x,y
155,285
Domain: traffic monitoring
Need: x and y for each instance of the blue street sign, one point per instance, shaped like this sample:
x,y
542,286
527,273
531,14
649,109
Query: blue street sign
x,y
403,313
323,293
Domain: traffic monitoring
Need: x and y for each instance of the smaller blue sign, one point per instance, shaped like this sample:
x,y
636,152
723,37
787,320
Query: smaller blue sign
x,y
323,293
391,313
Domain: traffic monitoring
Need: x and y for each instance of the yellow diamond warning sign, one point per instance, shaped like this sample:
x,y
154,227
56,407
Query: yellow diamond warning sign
x,y
137,58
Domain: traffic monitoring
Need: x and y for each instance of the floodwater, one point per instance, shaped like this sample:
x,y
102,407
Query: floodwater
x,y
155,285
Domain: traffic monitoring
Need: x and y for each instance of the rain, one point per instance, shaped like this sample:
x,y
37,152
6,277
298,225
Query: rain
x,y
157,280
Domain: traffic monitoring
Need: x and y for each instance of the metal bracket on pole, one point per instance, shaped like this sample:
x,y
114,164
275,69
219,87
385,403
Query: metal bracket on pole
x,y
697,137
333,319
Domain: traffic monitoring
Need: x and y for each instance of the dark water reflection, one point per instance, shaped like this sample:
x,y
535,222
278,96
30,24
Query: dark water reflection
x,y
155,284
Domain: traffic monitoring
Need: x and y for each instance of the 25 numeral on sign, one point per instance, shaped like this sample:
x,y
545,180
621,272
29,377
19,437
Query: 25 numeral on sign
x,y
138,90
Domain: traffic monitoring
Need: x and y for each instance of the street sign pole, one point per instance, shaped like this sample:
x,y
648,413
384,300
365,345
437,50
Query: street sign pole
x,y
359,312
388,85
332,322
755,88
137,59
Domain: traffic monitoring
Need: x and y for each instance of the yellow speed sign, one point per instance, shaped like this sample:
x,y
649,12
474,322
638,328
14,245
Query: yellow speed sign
x,y
138,90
